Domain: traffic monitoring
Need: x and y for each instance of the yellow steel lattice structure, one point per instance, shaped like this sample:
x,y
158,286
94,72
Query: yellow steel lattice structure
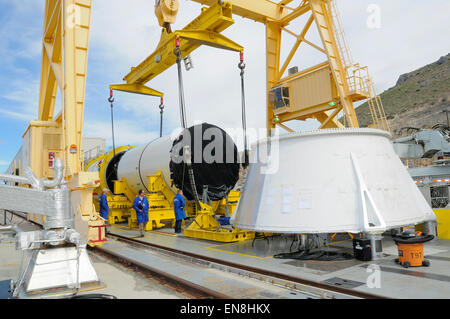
x,y
64,64
344,90
321,91
358,77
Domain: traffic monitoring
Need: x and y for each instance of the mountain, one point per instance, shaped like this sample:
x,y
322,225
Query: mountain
x,y
419,98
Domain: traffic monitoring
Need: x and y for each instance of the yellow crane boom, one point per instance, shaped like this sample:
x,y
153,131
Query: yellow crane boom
x,y
321,91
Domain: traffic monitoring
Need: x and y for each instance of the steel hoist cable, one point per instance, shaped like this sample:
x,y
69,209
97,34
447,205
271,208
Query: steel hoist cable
x,y
161,108
177,52
241,66
188,162
111,100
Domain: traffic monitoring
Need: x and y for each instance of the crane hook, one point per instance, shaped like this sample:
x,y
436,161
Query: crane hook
x,y
111,98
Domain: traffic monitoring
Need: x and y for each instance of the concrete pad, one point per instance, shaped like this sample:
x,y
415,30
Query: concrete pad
x,y
395,282
119,281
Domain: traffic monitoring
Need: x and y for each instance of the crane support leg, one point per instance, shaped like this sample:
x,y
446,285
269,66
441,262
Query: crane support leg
x,y
326,30
273,56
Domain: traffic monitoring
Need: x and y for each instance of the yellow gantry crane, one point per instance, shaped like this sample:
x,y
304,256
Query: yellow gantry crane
x,y
321,91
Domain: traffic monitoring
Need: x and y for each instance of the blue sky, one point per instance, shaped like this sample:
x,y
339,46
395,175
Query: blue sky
x,y
123,33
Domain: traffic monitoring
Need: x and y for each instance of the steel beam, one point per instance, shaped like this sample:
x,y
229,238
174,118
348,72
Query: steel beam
x,y
258,10
327,33
204,30
136,88
299,11
306,113
328,122
300,39
273,56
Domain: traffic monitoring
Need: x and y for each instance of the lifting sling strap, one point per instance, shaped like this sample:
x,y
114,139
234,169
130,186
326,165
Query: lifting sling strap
x,y
186,151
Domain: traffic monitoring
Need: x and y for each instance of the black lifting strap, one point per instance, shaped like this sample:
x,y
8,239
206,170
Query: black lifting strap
x,y
241,66
177,52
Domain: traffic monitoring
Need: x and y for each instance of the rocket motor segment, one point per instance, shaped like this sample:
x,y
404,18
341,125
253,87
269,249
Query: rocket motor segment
x,y
213,154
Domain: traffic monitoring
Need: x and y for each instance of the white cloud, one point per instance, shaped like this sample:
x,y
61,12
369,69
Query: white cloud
x,y
15,115
20,46
22,100
125,132
20,36
212,88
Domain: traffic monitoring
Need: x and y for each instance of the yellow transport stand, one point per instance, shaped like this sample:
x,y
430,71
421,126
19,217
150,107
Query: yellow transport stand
x,y
161,212
118,202
206,227
160,199
119,209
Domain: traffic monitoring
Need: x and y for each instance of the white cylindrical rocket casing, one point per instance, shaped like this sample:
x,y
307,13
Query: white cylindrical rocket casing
x,y
149,159
217,178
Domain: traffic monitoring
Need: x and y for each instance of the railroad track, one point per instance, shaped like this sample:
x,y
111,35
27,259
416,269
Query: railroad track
x,y
164,278
315,289
308,287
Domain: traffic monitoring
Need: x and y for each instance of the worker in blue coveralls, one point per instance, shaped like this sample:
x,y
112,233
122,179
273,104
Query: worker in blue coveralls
x,y
178,206
104,208
141,206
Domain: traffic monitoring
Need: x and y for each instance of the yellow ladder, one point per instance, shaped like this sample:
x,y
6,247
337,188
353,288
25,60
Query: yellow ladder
x,y
326,30
355,80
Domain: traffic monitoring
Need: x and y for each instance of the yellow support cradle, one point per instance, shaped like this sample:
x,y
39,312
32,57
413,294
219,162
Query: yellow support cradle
x,y
205,226
160,199
118,202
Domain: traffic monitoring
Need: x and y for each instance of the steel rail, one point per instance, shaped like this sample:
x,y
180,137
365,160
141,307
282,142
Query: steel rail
x,y
22,216
206,291
188,286
263,272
